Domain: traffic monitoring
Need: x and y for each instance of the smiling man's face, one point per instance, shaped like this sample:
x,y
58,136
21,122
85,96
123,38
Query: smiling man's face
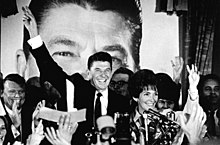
x,y
100,74
72,33
211,90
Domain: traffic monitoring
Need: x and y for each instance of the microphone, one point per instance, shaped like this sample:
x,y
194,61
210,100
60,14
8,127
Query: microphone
x,y
145,125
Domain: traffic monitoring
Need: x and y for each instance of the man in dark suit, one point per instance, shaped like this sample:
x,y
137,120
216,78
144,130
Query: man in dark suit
x,y
85,92
12,98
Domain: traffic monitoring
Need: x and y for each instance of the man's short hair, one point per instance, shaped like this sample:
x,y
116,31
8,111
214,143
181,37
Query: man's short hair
x,y
141,79
99,56
15,78
124,70
130,10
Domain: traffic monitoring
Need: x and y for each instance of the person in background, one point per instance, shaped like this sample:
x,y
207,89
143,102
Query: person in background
x,y
209,90
169,89
4,128
119,83
168,93
13,98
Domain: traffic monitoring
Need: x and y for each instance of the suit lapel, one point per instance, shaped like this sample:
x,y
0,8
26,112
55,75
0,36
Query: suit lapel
x,y
110,108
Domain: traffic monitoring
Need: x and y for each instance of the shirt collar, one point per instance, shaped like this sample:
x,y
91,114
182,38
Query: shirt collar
x,y
104,100
104,97
104,93
8,110
137,115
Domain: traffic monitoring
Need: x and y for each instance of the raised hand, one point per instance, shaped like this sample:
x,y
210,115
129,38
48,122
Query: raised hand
x,y
54,137
35,114
177,65
37,134
193,77
66,128
29,22
63,135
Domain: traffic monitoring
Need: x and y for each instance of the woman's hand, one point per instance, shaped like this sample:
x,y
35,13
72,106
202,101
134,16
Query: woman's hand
x,y
193,81
193,76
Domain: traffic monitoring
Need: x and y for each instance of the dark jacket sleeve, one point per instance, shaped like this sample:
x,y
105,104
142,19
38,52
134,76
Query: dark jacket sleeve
x,y
50,71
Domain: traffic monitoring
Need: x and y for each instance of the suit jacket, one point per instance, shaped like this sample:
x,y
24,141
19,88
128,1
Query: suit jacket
x,y
84,92
9,136
32,96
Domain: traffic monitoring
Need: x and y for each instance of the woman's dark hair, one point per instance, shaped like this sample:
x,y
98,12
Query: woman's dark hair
x,y
5,121
7,127
141,79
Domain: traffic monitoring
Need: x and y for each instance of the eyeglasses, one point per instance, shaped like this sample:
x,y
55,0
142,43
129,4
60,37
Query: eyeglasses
x,y
13,93
118,83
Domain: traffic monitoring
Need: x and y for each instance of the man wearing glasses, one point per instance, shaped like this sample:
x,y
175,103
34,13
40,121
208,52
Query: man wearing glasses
x,y
119,84
119,81
13,97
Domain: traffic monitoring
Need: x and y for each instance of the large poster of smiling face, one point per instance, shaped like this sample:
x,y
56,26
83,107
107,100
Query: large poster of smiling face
x,y
73,30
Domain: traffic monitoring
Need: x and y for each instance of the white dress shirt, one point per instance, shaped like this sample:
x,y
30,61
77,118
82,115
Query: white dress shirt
x,y
104,101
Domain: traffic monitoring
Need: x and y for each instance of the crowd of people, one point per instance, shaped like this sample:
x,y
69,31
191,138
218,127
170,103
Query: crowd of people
x,y
86,53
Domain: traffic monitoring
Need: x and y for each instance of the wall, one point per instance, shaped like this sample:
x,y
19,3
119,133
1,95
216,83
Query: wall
x,y
159,43
11,39
160,39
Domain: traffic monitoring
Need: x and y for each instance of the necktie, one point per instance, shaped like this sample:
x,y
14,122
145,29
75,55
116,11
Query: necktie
x,y
98,109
